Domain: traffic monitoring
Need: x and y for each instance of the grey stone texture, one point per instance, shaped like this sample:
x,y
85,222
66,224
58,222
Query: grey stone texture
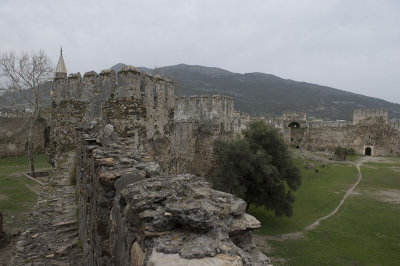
x,y
360,115
370,128
176,132
131,215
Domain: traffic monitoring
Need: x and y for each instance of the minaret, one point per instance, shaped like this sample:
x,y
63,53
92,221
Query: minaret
x,y
61,70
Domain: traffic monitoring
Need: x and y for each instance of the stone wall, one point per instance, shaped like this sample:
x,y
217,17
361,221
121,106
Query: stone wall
x,y
370,129
14,135
379,136
240,122
139,106
369,114
199,121
130,215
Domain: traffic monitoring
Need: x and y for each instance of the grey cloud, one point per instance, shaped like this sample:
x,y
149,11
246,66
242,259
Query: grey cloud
x,y
349,45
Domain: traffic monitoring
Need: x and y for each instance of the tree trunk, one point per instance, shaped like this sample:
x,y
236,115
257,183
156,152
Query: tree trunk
x,y
248,205
30,146
2,234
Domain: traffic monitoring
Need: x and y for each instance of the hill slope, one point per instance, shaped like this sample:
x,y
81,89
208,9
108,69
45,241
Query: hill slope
x,y
259,93
256,93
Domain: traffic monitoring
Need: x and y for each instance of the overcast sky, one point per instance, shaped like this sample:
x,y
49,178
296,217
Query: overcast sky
x,y
350,45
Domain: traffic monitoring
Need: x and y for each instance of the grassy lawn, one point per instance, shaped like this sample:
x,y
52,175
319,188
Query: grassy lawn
x,y
16,195
365,231
318,195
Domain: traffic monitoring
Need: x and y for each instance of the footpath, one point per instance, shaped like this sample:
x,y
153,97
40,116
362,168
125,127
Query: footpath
x,y
51,236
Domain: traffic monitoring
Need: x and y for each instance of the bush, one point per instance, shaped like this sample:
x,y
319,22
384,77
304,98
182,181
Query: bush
x,y
342,152
259,169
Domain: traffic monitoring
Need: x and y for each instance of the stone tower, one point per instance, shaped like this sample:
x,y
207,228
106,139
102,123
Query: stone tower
x,y
61,70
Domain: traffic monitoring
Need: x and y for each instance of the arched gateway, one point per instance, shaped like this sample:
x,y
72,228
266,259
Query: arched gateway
x,y
294,125
368,151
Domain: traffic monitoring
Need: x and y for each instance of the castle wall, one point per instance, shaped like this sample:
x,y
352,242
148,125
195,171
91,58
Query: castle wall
x,y
240,122
138,105
369,114
383,139
199,121
129,215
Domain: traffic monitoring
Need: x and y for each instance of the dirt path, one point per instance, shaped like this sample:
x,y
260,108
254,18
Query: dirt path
x,y
51,231
348,193
300,234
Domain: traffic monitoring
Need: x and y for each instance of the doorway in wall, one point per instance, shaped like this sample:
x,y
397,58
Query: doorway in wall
x,y
368,151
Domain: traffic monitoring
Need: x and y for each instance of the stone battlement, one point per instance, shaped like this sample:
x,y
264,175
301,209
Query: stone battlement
x,y
129,83
364,114
294,116
216,109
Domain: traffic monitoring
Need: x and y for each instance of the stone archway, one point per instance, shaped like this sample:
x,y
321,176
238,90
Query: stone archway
x,y
294,125
368,151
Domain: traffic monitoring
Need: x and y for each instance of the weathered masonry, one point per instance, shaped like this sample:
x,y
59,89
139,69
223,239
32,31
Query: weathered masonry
x,y
137,148
370,132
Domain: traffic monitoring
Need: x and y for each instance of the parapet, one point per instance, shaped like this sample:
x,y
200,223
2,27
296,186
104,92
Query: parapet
x,y
130,83
369,114
215,110
294,116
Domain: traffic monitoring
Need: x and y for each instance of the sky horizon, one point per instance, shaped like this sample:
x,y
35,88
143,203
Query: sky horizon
x,y
348,45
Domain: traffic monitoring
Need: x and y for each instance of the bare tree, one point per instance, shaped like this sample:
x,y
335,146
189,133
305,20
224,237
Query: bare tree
x,y
22,73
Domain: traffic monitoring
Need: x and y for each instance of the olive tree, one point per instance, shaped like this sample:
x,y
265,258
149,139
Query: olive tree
x,y
259,169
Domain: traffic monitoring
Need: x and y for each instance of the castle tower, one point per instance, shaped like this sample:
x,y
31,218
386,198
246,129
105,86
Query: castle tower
x,y
61,70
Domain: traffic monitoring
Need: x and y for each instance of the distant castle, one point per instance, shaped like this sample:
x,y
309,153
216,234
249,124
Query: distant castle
x,y
177,131
369,133
144,107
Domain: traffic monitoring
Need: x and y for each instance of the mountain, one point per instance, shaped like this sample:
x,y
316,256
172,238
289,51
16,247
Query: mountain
x,y
261,94
258,93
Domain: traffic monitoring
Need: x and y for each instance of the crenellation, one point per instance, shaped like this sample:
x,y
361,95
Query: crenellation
x,y
74,86
89,86
107,84
369,115
128,85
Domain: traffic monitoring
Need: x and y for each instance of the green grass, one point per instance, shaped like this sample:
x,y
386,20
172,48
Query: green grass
x,y
353,157
13,164
318,195
365,231
15,196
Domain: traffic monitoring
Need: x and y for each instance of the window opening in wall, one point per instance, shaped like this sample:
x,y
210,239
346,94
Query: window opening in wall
x,y
291,139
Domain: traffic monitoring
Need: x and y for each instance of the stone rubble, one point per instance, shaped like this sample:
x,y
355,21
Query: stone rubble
x,y
51,235
132,214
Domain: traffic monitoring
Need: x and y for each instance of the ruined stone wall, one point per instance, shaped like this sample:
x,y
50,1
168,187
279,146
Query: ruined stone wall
x,y
138,105
240,122
129,215
199,121
14,133
383,139
337,123
369,114
294,116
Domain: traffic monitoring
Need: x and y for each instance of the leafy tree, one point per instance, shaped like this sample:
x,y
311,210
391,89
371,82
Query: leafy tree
x,y
27,73
342,152
259,169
